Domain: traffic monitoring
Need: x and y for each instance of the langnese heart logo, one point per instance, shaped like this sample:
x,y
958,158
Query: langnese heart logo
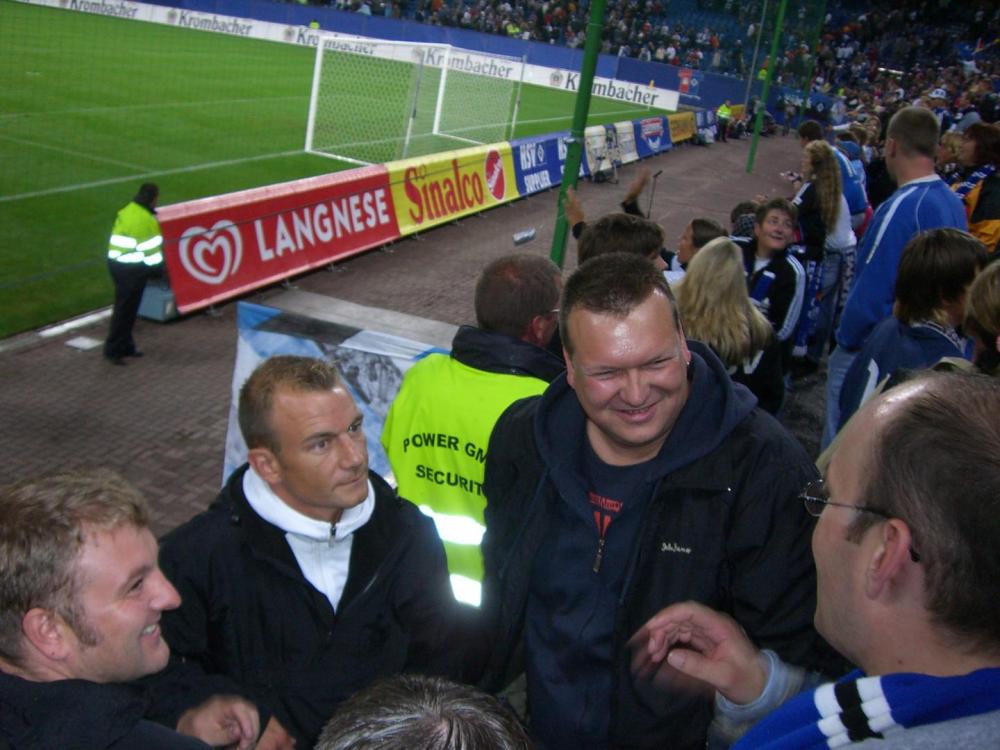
x,y
212,255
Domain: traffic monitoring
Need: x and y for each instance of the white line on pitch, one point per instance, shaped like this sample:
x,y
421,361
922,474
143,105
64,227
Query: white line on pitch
x,y
71,152
146,175
151,105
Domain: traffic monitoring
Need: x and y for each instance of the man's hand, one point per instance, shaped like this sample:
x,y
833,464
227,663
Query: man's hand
x,y
637,186
222,721
690,640
275,737
572,208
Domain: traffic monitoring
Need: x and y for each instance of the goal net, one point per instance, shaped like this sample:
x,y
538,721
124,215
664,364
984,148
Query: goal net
x,y
373,101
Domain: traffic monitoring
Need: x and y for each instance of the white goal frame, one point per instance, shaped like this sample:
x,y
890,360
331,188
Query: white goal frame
x,y
449,60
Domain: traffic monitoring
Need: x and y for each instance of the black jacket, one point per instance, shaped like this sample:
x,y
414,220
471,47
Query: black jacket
x,y
778,289
724,528
250,614
81,714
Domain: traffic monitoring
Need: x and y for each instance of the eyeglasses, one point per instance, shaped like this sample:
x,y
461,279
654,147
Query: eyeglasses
x,y
816,497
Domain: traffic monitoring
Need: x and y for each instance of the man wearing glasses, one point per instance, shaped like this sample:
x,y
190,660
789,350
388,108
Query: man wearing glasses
x,y
908,582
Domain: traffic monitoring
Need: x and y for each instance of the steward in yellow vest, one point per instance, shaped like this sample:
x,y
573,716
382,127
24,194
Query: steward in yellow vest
x,y
438,428
135,254
723,115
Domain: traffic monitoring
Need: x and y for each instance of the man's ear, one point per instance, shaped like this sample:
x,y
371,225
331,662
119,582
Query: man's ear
x,y
46,632
890,559
535,333
570,376
266,464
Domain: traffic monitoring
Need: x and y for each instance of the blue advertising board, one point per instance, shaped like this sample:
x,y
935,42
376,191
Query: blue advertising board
x,y
539,162
652,136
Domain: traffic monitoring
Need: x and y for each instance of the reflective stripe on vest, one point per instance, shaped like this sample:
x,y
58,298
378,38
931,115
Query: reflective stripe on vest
x,y
466,590
456,529
435,436
136,237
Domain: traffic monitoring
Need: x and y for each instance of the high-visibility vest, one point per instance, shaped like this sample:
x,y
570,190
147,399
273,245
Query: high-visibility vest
x,y
135,237
435,435
724,112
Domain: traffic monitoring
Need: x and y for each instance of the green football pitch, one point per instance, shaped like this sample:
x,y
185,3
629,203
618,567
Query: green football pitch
x,y
92,106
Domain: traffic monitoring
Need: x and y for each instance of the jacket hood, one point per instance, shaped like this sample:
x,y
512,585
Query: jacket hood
x,y
715,405
497,352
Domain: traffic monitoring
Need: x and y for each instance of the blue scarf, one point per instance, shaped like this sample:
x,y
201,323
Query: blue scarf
x,y
974,179
858,707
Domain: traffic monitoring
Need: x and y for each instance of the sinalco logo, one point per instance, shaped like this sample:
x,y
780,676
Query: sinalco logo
x,y
212,255
494,174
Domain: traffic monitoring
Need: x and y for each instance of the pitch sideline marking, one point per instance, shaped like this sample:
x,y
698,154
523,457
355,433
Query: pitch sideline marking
x,y
71,152
158,173
192,168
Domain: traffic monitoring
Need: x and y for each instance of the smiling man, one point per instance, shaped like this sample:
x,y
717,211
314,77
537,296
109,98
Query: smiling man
x,y
81,599
308,577
641,478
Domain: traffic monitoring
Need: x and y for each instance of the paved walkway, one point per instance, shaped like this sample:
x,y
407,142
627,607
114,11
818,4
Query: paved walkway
x,y
161,420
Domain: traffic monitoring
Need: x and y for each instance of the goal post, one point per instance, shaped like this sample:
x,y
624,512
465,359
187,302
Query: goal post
x,y
372,101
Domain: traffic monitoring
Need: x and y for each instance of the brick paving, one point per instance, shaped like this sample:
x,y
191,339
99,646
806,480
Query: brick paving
x,y
161,420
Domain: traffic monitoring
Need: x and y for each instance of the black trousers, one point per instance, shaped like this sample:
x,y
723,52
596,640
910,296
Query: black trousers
x,y
722,125
130,281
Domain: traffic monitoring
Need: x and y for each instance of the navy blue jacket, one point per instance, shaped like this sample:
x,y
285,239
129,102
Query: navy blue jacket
x,y
723,526
891,346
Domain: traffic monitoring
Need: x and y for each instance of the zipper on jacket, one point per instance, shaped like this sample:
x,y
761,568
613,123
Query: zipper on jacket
x,y
599,557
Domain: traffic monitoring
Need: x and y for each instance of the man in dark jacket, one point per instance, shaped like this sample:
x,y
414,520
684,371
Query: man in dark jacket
x,y
308,577
643,477
80,601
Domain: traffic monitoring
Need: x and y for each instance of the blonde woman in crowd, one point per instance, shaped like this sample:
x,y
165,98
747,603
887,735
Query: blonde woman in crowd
x,y
716,310
825,225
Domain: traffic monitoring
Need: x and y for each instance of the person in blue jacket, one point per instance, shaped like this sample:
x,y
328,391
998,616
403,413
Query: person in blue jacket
x,y
935,271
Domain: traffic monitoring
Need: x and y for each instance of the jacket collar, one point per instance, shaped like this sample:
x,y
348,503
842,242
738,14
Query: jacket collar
x,y
497,352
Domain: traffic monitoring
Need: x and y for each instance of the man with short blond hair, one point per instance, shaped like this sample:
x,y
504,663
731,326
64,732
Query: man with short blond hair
x,y
81,597
308,577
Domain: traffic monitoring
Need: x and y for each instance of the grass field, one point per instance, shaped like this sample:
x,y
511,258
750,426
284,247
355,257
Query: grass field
x,y
92,106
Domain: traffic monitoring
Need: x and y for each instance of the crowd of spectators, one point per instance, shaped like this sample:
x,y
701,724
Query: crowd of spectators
x,y
850,47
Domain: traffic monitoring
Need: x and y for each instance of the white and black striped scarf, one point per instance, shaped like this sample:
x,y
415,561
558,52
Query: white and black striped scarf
x,y
858,708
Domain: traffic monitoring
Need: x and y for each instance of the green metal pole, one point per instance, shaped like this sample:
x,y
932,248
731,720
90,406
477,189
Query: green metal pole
x,y
814,48
773,57
574,151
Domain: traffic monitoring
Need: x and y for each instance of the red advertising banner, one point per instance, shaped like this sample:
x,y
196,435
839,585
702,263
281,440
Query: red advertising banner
x,y
220,247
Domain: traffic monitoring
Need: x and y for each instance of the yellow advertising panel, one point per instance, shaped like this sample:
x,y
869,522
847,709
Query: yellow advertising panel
x,y
435,189
682,126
